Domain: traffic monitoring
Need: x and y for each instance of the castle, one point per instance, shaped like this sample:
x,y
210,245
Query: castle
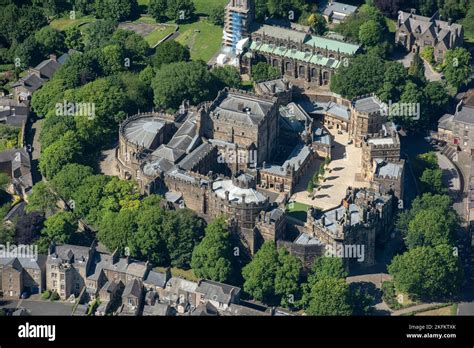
x,y
305,59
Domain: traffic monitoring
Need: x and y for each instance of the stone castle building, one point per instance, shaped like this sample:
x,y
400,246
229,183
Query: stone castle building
x,y
415,32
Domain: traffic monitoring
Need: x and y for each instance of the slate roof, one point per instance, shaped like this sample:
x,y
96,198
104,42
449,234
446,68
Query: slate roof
x,y
245,109
48,68
266,86
215,291
31,82
390,169
70,253
143,131
330,7
123,265
133,288
156,279
334,109
368,105
24,262
465,115
191,159
296,159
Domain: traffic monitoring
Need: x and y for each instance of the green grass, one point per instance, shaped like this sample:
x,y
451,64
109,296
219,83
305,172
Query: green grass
x,y
203,7
202,37
178,272
158,34
145,19
298,210
64,23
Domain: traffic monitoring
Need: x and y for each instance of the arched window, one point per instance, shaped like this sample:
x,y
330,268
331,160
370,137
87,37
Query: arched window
x,y
301,70
313,72
275,62
325,75
287,66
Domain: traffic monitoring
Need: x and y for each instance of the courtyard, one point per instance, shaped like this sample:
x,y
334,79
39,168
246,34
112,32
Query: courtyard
x,y
345,164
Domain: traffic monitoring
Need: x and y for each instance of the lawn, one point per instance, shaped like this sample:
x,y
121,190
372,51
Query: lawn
x,y
64,23
297,210
442,311
203,7
159,34
178,272
202,37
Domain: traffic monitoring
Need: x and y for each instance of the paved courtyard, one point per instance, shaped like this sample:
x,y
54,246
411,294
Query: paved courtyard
x,y
346,162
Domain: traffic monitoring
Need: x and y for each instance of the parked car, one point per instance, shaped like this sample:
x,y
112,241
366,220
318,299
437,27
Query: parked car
x,y
25,294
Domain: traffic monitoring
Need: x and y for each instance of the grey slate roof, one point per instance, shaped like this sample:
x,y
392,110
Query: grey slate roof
x,y
465,115
368,105
215,291
156,279
191,159
143,131
70,253
333,109
249,110
133,288
390,169
332,7
296,158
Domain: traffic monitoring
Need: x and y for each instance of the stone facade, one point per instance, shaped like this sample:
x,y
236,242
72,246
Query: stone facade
x,y
415,32
368,115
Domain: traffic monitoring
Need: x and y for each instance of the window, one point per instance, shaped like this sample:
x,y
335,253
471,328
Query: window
x,y
62,287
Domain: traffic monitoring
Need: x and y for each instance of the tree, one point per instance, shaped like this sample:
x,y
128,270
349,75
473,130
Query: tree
x,y
180,10
59,227
263,71
318,23
176,82
389,8
98,33
69,179
329,296
431,227
432,181
227,76
212,257
42,199
417,69
28,52
412,95
118,10
157,9
116,230
79,69
456,67
438,99
44,99
112,59
149,239
395,77
310,186
260,273
425,202
363,74
133,45
370,34
427,273
427,53
182,231
88,196
216,15
50,40
66,149
73,38
170,52
362,297
287,278
326,267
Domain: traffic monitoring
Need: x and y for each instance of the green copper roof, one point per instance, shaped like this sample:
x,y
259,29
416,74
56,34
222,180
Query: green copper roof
x,y
308,39
307,57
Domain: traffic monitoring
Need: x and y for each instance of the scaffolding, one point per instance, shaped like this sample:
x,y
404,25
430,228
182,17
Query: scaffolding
x,y
236,29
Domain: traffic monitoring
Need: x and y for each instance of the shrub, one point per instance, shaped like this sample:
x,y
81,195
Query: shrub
x,y
389,295
46,295
54,296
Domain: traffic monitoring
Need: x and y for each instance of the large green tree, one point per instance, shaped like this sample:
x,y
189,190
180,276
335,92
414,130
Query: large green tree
x,y
66,149
427,273
212,257
42,199
456,66
69,179
59,227
330,296
176,82
170,52
118,10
